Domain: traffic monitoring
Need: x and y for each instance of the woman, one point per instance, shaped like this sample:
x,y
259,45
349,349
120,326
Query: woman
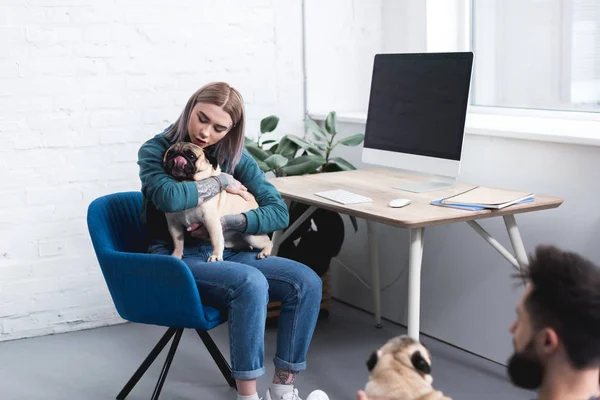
x,y
213,119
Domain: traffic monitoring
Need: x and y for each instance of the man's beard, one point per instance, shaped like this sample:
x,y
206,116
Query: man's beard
x,y
525,369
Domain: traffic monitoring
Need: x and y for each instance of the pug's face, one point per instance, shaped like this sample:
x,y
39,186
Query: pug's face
x,y
405,351
183,160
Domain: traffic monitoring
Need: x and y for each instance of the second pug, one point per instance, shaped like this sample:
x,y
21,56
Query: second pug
x,y
186,162
401,370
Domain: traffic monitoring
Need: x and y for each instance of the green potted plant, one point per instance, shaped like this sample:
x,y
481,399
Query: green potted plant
x,y
293,155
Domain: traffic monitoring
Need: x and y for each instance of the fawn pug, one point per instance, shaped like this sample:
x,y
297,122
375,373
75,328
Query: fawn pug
x,y
187,162
401,370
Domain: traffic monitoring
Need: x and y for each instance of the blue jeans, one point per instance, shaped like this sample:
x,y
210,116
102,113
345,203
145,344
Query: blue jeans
x,y
244,285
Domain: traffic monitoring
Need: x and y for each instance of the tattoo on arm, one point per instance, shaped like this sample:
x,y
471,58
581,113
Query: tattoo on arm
x,y
237,222
208,188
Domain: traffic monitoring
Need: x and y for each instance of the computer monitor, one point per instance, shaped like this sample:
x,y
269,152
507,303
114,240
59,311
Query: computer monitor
x,y
416,117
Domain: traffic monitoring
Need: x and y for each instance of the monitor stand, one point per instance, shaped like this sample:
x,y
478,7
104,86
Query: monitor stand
x,y
439,183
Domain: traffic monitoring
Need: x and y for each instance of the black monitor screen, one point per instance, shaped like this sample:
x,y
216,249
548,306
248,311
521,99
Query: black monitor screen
x,y
418,103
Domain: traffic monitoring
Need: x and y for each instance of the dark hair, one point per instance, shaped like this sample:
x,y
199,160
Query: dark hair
x,y
566,297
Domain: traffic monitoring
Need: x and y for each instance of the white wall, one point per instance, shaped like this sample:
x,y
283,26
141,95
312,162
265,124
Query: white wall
x,y
341,39
82,84
468,296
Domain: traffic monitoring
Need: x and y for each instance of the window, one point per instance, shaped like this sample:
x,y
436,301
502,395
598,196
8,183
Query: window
x,y
536,54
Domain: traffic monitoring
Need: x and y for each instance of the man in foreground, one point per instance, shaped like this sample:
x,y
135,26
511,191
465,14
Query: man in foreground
x,y
556,334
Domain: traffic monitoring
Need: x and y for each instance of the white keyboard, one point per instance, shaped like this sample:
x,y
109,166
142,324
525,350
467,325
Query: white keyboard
x,y
343,197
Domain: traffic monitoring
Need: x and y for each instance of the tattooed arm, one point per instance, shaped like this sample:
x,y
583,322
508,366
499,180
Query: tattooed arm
x,y
210,187
236,222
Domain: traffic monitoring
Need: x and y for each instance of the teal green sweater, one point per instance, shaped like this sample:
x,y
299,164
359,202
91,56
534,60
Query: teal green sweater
x,y
163,194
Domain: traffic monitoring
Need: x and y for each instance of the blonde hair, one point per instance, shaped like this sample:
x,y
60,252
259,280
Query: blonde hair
x,y
229,149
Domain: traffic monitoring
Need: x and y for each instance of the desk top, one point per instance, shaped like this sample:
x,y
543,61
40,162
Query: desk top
x,y
378,183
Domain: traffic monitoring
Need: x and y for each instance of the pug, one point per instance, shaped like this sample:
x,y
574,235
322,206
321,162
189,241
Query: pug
x,y
401,370
187,162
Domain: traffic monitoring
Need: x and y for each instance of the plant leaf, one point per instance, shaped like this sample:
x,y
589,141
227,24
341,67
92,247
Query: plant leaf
x,y
258,153
311,148
269,141
330,123
276,161
343,164
303,165
353,140
263,167
308,157
354,223
318,139
321,146
287,147
315,129
269,124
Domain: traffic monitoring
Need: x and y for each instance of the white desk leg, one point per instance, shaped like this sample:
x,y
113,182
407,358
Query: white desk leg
x,y
374,263
515,240
415,258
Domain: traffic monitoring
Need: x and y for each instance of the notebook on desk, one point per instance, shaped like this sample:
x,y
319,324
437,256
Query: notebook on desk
x,y
480,198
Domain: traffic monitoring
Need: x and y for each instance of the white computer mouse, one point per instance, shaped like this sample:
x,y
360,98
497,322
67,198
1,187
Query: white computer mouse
x,y
396,203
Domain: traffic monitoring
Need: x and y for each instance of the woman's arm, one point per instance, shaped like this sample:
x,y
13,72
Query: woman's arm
x,y
165,192
272,214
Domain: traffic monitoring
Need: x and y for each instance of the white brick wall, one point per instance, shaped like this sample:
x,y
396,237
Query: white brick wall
x,y
82,84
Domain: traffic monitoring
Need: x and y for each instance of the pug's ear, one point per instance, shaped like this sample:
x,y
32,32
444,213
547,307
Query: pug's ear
x,y
212,160
372,361
420,363
165,156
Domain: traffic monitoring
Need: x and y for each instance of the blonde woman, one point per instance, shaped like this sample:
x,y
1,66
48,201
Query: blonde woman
x,y
214,119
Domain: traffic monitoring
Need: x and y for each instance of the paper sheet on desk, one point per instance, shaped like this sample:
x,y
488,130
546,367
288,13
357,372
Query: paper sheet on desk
x,y
468,207
488,197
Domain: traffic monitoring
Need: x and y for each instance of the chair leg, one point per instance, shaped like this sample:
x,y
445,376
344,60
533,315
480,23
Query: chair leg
x,y
146,364
217,357
167,365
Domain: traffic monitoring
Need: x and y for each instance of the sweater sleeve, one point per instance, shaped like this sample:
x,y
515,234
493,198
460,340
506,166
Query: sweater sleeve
x,y
160,188
272,214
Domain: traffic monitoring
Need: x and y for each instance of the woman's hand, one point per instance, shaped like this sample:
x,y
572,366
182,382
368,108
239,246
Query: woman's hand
x,y
360,395
234,186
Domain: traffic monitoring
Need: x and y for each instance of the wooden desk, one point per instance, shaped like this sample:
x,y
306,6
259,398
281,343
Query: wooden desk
x,y
378,185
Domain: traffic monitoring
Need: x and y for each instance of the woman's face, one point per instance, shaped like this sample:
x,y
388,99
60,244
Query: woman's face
x,y
208,124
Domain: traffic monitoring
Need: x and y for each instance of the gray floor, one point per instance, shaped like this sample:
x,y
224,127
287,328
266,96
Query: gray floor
x,y
95,364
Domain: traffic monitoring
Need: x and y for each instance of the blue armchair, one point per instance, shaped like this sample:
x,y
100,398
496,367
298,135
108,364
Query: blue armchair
x,y
148,288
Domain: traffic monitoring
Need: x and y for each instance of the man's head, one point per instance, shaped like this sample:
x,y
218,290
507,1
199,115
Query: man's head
x,y
558,317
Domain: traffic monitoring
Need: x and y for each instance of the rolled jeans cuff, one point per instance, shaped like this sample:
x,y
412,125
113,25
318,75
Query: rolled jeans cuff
x,y
287,366
245,375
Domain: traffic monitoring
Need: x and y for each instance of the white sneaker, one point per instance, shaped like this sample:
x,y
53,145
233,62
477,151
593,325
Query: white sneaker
x,y
293,395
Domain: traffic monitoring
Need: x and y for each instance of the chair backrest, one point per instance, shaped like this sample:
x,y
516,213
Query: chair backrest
x,y
115,222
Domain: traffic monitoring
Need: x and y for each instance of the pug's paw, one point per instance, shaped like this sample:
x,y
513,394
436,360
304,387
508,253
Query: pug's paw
x,y
214,258
263,254
177,254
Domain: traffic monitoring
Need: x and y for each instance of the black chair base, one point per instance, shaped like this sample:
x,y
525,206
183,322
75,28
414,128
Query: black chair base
x,y
177,332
